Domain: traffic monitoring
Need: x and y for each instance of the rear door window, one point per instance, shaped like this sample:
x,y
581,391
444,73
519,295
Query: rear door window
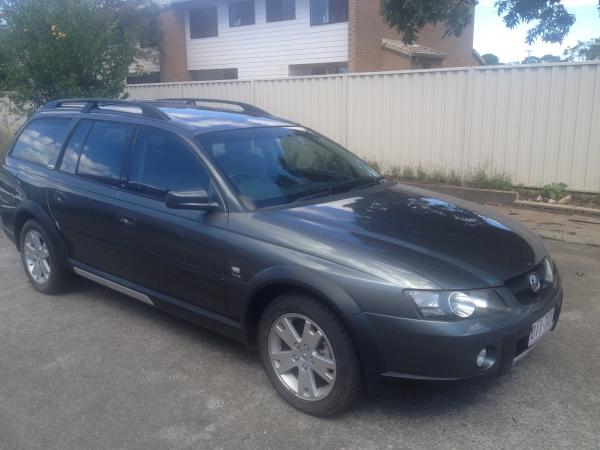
x,y
104,152
41,141
73,150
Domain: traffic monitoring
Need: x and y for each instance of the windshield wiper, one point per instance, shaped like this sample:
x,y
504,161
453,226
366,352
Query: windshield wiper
x,y
371,181
345,186
316,193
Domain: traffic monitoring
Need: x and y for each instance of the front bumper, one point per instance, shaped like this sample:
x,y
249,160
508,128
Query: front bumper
x,y
429,350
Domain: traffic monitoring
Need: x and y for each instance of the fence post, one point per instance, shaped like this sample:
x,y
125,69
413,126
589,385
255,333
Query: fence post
x,y
467,127
346,111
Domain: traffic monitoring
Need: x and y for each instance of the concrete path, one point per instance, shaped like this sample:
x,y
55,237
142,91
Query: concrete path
x,y
575,229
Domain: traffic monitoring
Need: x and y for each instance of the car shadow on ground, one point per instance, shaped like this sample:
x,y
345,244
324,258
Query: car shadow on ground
x,y
427,399
163,319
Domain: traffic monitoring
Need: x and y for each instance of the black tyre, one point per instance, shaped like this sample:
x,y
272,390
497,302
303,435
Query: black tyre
x,y
308,355
39,257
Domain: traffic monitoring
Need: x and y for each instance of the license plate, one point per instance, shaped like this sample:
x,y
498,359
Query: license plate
x,y
541,327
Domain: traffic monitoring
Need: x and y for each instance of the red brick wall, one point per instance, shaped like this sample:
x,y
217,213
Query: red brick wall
x,y
173,55
459,50
367,28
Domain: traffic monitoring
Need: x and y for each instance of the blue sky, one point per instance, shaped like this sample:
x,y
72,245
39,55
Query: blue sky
x,y
492,36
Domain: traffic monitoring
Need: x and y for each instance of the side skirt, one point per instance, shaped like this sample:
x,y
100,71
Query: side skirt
x,y
184,310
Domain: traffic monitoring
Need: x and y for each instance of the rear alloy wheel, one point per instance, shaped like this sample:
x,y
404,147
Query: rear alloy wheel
x,y
39,257
308,355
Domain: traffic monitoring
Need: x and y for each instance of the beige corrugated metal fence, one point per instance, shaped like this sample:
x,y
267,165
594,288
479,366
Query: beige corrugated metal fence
x,y
536,123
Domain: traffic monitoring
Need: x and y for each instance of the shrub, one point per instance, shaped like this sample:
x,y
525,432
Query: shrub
x,y
395,172
438,176
554,191
481,180
421,174
408,173
454,179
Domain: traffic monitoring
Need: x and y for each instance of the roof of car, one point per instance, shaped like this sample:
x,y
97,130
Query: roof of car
x,y
211,119
196,115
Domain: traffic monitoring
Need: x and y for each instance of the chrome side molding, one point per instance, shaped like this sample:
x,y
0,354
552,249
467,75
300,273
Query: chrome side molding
x,y
114,286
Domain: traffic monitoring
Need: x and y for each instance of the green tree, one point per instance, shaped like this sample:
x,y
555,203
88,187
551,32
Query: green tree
x,y
489,59
544,59
69,48
550,58
408,17
584,51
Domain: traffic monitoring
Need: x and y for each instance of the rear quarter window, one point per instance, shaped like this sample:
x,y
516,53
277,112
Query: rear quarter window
x,y
41,141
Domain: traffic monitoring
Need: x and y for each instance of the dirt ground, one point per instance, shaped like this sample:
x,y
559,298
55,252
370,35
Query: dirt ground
x,y
575,229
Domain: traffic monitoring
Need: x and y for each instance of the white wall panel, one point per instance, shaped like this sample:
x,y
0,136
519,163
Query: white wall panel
x,y
274,45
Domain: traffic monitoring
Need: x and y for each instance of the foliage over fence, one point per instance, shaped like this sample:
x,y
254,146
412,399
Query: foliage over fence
x,y
70,48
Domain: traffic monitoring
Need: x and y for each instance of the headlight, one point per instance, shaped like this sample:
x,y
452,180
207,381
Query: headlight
x,y
456,305
548,271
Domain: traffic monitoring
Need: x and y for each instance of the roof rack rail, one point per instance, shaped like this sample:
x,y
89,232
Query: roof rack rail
x,y
194,102
90,104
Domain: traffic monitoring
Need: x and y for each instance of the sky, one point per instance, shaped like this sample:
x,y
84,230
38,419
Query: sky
x,y
492,36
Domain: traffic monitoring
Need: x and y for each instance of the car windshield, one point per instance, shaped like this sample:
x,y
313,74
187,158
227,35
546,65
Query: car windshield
x,y
280,165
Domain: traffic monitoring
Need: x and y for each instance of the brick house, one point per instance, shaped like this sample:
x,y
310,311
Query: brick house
x,y
244,39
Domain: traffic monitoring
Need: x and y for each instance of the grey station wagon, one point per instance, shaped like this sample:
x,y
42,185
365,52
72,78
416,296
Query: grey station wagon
x,y
267,232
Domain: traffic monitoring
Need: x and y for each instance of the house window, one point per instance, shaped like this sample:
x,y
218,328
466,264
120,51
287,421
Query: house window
x,y
213,74
241,13
328,11
302,70
278,10
151,77
203,22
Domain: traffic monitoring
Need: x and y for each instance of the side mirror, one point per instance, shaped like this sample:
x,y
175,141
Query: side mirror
x,y
193,200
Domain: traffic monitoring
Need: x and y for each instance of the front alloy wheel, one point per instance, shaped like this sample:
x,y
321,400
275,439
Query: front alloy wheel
x,y
308,354
302,357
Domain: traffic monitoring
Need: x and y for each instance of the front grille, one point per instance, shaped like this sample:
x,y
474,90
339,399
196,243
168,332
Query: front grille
x,y
521,288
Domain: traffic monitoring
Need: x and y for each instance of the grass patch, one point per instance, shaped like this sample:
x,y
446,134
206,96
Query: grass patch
x,y
479,179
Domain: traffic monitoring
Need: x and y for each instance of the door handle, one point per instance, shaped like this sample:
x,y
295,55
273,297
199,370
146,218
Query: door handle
x,y
59,197
127,221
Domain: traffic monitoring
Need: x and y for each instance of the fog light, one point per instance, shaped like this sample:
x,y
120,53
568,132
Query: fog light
x,y
481,358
